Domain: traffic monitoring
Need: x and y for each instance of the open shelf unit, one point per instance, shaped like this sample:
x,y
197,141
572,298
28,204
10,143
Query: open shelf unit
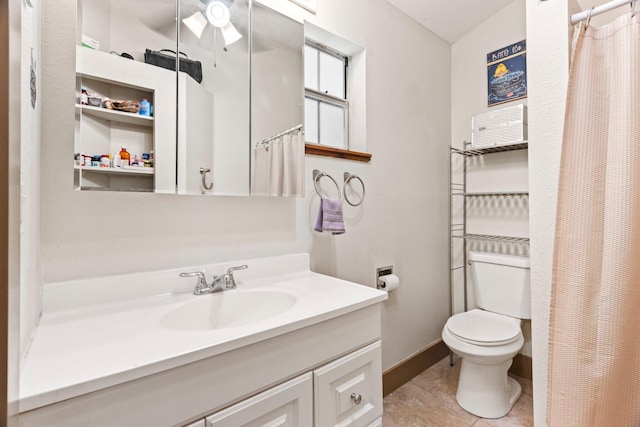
x,y
127,170
100,131
459,230
115,116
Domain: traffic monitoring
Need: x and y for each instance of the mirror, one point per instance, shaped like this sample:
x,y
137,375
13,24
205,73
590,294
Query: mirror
x,y
187,132
112,80
277,104
214,115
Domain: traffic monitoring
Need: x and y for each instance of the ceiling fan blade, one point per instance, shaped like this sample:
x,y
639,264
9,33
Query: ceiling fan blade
x,y
230,34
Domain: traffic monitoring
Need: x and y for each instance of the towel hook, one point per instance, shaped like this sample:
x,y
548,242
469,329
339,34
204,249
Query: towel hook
x,y
205,186
347,179
316,178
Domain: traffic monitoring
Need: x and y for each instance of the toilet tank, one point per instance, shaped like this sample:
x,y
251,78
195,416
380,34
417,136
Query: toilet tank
x,y
502,284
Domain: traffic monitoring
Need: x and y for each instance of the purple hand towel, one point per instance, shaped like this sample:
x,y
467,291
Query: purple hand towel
x,y
330,216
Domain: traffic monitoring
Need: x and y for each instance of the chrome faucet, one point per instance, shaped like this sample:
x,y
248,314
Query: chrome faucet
x,y
219,283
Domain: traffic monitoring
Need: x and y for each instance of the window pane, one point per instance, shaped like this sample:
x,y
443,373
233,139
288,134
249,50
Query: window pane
x,y
332,125
331,75
311,67
311,120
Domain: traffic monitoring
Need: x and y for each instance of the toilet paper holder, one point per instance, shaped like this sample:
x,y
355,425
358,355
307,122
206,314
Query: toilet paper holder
x,y
383,271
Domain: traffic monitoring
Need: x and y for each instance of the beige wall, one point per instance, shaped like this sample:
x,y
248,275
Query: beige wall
x,y
11,14
497,172
402,222
30,135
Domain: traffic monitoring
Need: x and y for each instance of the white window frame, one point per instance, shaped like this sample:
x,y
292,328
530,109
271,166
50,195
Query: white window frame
x,y
342,103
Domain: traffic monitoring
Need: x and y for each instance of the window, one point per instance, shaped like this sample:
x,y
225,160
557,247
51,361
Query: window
x,y
326,118
335,96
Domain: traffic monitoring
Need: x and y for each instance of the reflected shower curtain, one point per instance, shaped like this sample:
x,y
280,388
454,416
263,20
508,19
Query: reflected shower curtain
x,y
279,167
594,336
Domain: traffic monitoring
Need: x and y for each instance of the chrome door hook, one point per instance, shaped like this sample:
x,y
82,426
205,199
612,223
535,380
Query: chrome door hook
x,y
205,186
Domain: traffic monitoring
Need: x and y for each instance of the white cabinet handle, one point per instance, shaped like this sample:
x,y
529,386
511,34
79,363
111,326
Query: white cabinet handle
x,y
356,397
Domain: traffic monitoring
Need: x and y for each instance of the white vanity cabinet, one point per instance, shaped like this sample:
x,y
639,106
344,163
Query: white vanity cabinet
x,y
312,359
341,354
346,392
287,405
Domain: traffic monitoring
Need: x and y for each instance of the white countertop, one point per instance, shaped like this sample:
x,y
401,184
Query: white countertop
x,y
96,333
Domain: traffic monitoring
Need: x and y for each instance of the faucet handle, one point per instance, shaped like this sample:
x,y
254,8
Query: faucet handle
x,y
231,281
230,270
202,281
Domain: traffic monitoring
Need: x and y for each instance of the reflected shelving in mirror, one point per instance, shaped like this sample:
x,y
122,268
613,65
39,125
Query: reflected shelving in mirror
x,y
131,170
116,116
202,113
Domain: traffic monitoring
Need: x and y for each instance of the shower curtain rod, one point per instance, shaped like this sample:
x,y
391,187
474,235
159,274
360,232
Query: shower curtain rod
x,y
271,138
585,14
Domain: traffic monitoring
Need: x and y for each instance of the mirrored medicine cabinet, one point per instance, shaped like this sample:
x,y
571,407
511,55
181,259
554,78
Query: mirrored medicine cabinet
x,y
216,126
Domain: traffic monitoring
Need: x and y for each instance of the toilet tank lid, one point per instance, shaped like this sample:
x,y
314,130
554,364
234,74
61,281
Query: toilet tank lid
x,y
501,259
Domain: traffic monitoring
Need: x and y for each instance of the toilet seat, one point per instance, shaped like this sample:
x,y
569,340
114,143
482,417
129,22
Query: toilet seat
x,y
484,328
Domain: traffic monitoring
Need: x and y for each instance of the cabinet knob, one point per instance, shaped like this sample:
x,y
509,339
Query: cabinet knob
x,y
356,397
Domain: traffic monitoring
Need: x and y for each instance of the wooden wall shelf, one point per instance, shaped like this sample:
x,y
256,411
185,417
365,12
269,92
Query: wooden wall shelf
x,y
322,150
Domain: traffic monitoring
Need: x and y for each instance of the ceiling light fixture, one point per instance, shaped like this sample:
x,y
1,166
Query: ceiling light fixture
x,y
218,15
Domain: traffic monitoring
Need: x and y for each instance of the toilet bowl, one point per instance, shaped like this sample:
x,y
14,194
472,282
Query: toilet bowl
x,y
488,338
484,388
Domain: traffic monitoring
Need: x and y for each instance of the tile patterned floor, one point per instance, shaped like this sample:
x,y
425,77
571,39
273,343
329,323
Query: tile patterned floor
x,y
429,400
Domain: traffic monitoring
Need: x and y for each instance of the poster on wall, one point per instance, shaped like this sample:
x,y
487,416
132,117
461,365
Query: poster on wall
x,y
507,74
310,5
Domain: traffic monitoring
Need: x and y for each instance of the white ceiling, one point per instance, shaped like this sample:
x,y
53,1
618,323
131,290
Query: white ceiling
x,y
450,19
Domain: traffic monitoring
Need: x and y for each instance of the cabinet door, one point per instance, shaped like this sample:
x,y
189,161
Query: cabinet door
x,y
376,423
348,392
287,405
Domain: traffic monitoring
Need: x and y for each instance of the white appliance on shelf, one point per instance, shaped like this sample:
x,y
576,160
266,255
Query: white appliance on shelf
x,y
499,127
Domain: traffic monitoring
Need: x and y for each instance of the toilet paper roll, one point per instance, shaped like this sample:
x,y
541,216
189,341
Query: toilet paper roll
x,y
388,283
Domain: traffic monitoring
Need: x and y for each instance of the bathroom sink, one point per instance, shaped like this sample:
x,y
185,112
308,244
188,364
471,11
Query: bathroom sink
x,y
228,309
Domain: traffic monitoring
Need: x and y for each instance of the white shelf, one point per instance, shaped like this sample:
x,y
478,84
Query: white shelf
x,y
127,170
117,116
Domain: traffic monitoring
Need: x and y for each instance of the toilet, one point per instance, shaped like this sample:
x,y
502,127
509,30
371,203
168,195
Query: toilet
x,y
487,338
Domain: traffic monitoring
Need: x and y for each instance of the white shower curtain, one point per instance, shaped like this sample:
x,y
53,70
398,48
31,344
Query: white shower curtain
x,y
278,167
594,337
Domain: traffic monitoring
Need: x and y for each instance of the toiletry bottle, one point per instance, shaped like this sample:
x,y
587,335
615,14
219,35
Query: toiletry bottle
x,y
145,107
104,161
125,157
117,161
84,97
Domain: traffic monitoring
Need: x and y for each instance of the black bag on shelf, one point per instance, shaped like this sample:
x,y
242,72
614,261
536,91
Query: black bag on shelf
x,y
168,61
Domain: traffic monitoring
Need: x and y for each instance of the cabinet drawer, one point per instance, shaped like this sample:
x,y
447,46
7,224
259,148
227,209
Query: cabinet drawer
x,y
286,405
348,392
199,423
